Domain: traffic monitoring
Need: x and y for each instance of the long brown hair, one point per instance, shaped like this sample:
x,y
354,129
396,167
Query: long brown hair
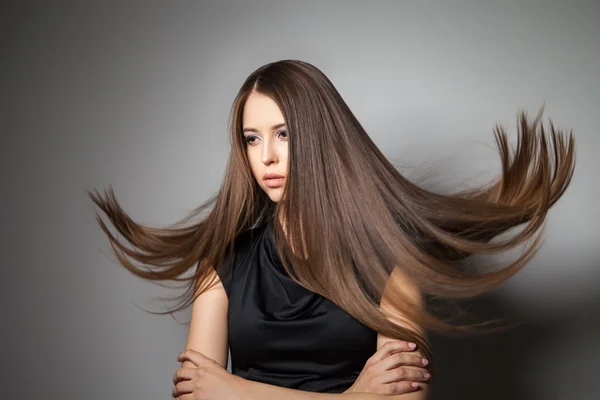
x,y
341,187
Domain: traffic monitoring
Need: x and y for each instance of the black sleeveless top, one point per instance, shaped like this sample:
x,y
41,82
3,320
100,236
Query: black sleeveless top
x,y
283,334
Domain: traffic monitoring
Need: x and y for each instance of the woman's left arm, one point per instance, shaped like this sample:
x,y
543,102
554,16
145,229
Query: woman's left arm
x,y
400,279
264,391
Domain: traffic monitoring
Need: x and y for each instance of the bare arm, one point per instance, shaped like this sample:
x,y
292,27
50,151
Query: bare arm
x,y
208,325
400,279
264,391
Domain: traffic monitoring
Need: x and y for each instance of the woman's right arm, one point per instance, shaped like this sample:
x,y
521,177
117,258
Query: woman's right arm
x,y
208,325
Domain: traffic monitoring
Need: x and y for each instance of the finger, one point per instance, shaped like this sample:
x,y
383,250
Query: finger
x,y
403,374
182,388
182,374
193,356
401,387
402,359
391,347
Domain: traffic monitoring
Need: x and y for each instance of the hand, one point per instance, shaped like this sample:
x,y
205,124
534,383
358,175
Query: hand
x,y
391,370
208,381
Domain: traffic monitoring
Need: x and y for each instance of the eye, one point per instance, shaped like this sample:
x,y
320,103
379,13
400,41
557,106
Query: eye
x,y
249,139
283,132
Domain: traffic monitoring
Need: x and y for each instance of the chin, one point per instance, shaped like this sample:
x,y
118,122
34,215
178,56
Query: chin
x,y
274,194
276,198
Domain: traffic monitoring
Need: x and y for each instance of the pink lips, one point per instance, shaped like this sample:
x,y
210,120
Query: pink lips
x,y
273,180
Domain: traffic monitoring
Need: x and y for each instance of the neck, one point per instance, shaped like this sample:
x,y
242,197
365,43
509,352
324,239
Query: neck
x,y
283,223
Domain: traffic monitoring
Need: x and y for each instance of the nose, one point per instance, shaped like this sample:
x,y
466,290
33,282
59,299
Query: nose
x,y
269,155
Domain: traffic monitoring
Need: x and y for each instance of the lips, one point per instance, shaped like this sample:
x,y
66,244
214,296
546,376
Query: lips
x,y
272,176
273,180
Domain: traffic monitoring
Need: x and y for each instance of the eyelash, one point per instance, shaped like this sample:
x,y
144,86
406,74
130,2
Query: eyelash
x,y
247,138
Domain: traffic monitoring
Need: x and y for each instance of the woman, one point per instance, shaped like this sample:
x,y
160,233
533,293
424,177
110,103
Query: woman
x,y
316,256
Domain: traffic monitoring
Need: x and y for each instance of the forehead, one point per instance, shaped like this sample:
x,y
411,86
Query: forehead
x,y
261,111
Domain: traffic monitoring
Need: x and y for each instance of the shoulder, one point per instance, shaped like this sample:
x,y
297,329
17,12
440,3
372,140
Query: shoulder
x,y
399,281
402,281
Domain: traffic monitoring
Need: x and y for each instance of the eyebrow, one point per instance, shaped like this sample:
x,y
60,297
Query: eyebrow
x,y
272,128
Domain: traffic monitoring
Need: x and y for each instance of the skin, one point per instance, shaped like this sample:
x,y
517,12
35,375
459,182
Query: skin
x,y
267,148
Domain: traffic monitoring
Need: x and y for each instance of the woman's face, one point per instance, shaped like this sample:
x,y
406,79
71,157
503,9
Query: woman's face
x,y
266,139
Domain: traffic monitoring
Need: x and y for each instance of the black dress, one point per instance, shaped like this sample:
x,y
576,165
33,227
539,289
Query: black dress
x,y
283,334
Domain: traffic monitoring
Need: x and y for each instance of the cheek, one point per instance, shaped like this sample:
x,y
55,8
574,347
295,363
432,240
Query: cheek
x,y
284,155
254,164
286,163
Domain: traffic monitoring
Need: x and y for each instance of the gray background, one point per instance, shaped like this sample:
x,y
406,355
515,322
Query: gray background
x,y
137,95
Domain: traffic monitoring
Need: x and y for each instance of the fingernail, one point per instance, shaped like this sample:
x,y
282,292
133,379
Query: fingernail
x,y
426,375
412,345
415,385
425,361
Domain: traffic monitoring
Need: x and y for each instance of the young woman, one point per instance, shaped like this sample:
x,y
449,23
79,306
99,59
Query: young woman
x,y
316,257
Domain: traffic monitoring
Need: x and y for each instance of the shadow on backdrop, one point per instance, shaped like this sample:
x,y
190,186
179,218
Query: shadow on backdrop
x,y
538,359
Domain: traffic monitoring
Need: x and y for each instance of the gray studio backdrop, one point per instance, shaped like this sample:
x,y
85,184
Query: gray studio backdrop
x,y
137,95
